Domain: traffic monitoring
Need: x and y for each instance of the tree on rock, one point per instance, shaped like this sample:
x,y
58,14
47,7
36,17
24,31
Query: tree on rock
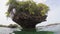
x,y
27,13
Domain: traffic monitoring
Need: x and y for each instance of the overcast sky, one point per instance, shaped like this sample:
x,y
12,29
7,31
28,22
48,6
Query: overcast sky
x,y
53,14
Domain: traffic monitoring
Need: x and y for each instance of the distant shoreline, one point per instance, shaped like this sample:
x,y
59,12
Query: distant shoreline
x,y
10,26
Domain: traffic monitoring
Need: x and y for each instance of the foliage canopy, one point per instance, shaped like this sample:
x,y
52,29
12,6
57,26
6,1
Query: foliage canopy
x,y
27,13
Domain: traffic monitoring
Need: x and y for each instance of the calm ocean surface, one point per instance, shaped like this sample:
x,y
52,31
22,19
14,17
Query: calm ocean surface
x,y
4,30
55,29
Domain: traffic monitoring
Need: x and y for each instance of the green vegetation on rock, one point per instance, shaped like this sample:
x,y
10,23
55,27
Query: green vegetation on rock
x,y
41,32
27,13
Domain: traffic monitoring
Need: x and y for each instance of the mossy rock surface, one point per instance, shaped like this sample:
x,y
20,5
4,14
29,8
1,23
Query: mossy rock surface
x,y
28,32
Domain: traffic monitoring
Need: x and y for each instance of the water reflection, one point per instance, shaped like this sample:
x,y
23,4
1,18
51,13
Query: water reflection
x,y
4,30
53,27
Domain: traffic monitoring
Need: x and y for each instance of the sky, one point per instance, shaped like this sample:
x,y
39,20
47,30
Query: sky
x,y
53,14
